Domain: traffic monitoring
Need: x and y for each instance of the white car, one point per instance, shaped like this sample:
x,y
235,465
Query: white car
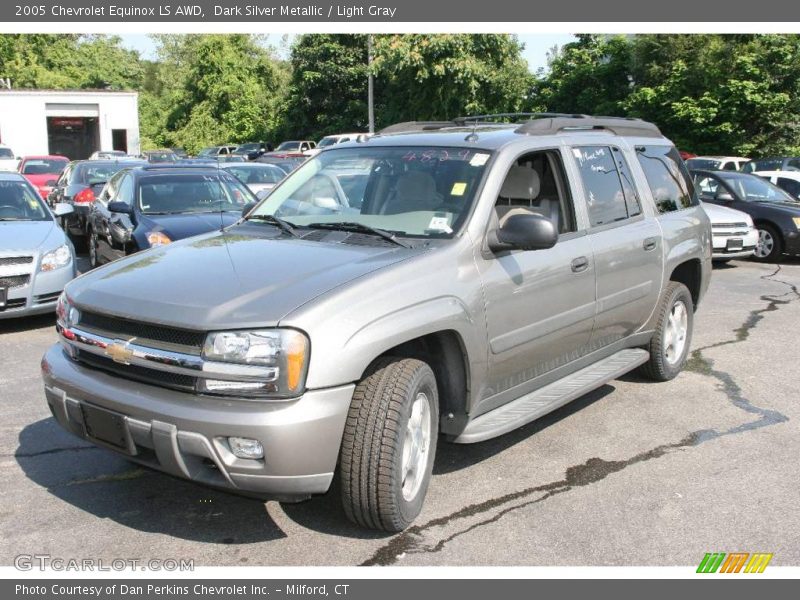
x,y
717,163
732,233
332,140
8,161
788,181
108,155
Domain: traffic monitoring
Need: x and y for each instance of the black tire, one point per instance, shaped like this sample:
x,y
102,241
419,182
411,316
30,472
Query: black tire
x,y
371,465
91,247
776,251
661,366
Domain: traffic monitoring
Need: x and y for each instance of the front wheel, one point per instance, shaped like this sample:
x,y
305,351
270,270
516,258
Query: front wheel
x,y
669,345
389,444
92,243
769,247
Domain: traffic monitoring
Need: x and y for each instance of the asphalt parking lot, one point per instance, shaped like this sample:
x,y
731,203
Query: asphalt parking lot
x,y
635,473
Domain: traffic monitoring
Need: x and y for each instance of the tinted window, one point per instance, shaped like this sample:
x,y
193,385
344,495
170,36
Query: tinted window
x,y
125,190
667,176
6,153
182,193
789,185
605,197
793,164
729,166
706,164
764,164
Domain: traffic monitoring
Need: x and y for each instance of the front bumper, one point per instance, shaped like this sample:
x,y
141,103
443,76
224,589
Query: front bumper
x,y
185,434
720,242
40,295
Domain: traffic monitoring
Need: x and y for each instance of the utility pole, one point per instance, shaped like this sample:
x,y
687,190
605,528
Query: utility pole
x,y
370,94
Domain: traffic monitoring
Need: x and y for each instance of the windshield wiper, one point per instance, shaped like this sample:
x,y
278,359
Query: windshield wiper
x,y
360,228
277,221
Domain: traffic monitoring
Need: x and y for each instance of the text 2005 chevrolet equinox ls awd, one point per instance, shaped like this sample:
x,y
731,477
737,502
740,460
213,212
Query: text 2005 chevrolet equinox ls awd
x,y
455,278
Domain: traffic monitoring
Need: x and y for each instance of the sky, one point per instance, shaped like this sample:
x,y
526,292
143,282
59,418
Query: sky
x,y
536,46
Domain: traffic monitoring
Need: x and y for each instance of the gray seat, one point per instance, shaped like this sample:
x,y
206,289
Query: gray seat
x,y
520,192
415,190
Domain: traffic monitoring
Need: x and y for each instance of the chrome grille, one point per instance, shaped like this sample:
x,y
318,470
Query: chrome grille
x,y
729,226
122,328
137,373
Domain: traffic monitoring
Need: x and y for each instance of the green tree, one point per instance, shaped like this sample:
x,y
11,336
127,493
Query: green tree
x,y
211,89
328,89
429,77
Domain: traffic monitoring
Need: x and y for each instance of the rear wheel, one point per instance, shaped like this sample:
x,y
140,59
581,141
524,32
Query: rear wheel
x,y
770,244
669,345
389,444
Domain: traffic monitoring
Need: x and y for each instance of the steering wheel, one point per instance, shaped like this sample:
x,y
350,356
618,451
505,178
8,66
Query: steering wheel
x,y
9,211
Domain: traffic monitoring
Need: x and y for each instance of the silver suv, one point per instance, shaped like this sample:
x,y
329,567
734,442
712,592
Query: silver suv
x,y
450,279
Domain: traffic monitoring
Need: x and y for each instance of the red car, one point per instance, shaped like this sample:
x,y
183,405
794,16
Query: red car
x,y
42,170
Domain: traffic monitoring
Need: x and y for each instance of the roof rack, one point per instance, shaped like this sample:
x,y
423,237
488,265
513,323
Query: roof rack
x,y
616,125
408,126
543,123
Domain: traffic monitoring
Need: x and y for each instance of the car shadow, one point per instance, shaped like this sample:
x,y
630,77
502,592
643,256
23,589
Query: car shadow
x,y
325,514
103,484
27,323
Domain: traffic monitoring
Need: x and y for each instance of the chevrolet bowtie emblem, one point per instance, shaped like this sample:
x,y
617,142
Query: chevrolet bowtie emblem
x,y
120,352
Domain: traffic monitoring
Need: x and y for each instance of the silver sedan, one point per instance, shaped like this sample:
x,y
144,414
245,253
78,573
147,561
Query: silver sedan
x,y
36,257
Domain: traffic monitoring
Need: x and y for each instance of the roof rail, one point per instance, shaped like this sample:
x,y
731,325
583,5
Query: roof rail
x,y
408,126
515,115
616,125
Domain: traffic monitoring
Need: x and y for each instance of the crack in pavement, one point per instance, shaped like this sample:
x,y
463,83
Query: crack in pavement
x,y
411,540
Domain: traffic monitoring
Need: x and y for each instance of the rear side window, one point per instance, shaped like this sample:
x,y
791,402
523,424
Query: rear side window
x,y
668,178
610,192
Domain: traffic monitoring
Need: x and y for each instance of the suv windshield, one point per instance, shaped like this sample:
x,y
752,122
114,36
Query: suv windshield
x,y
18,202
412,191
755,189
43,166
192,193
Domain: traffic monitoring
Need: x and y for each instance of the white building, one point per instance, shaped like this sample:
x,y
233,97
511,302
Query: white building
x,y
73,123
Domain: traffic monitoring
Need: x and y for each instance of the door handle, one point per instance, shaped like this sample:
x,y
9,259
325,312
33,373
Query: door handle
x,y
580,264
649,244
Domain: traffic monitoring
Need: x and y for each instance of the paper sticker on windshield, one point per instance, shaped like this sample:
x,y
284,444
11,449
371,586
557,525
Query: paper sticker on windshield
x,y
440,224
459,188
479,160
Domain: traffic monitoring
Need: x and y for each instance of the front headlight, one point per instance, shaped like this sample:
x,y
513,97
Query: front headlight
x,y
60,257
796,222
284,351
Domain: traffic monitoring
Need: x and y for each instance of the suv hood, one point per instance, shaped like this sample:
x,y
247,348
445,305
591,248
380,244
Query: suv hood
x,y
723,214
250,276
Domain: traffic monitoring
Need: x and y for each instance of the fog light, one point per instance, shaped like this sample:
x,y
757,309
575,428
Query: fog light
x,y
246,448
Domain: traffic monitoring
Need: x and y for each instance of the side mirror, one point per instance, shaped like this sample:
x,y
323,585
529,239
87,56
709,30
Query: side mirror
x,y
524,232
724,197
52,183
62,209
120,207
248,207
